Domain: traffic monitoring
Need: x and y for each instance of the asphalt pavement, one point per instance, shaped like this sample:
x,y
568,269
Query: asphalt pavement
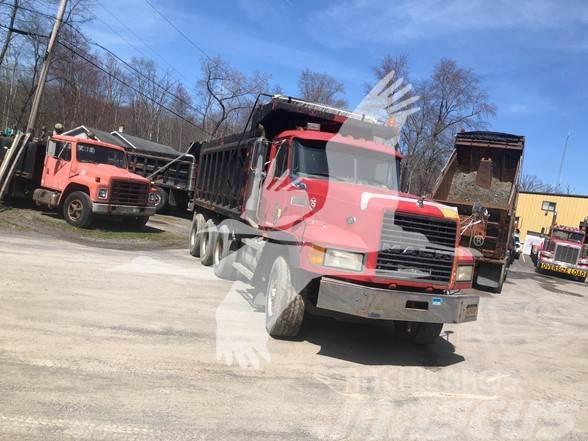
x,y
106,344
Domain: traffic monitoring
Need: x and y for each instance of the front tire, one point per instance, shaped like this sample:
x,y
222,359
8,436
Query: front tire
x,y
77,209
285,308
161,200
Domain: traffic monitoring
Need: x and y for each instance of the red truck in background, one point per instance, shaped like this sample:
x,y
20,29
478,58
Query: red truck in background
x,y
83,178
308,210
563,252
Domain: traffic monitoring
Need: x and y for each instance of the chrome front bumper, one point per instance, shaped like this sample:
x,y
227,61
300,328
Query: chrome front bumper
x,y
388,304
122,210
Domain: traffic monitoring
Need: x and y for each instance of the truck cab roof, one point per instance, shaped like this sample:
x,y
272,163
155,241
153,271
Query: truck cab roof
x,y
67,138
335,137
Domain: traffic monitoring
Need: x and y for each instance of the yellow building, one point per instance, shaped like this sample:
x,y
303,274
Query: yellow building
x,y
535,211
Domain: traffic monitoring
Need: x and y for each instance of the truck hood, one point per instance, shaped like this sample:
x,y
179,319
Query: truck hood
x,y
350,213
567,242
107,173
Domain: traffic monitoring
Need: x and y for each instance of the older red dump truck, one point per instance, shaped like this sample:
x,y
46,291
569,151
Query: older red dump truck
x,y
480,179
82,178
308,210
563,252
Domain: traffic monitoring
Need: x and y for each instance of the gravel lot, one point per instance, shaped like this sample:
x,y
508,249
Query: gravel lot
x,y
107,344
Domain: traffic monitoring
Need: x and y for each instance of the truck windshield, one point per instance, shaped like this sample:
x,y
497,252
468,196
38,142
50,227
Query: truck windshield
x,y
340,163
572,236
101,155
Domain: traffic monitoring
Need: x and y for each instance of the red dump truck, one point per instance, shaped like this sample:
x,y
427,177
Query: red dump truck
x,y
308,210
481,179
563,252
82,178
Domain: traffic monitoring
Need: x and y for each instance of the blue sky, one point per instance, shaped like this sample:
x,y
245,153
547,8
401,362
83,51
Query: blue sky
x,y
532,55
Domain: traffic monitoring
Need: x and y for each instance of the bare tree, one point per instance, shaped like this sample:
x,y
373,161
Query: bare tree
x,y
226,95
9,31
321,88
147,107
451,99
533,183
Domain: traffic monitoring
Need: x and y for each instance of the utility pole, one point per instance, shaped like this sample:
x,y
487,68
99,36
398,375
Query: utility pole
x,y
561,164
45,67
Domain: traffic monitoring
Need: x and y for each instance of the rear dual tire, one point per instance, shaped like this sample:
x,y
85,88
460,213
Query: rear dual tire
x,y
197,226
224,254
207,239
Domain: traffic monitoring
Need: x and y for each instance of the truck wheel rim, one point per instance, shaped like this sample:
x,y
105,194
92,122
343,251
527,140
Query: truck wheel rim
x,y
75,209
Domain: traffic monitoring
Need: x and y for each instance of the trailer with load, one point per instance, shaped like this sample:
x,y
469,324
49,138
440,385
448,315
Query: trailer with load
x,y
82,178
480,179
305,205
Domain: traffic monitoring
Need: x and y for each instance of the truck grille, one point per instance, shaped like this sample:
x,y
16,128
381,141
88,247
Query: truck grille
x,y
129,193
564,253
416,248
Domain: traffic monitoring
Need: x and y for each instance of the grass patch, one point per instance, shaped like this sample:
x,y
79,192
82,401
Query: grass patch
x,y
107,231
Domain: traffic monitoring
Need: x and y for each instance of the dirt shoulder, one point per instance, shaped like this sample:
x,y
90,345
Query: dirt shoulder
x,y
160,232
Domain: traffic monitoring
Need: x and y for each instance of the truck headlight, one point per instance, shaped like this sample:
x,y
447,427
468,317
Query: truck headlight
x,y
343,260
103,193
464,273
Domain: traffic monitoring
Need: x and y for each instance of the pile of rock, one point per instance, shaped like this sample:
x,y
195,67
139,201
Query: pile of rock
x,y
465,189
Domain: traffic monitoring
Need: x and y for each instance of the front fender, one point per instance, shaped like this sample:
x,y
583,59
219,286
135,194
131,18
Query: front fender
x,y
79,183
332,236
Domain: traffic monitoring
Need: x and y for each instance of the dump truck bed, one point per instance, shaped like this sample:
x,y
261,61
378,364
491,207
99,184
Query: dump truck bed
x,y
502,155
457,183
224,164
484,169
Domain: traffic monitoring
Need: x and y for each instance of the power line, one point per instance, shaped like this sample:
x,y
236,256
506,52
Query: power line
x,y
127,65
24,8
124,83
181,100
141,74
188,39
134,34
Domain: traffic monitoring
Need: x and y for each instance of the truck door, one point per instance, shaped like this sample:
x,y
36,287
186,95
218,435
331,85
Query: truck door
x,y
272,195
57,165
256,177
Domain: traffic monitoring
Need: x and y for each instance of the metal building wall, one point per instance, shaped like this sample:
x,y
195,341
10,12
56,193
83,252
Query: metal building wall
x,y
571,210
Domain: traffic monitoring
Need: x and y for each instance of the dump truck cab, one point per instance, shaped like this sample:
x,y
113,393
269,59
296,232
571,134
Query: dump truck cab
x,y
306,207
332,193
86,177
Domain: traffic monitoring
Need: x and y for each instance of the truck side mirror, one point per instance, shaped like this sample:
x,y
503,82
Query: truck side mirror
x,y
51,148
258,154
